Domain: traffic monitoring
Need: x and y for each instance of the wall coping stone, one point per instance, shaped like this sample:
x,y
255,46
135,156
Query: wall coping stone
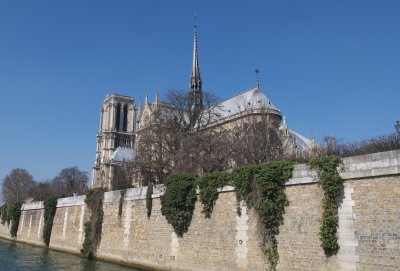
x,y
35,205
362,166
71,201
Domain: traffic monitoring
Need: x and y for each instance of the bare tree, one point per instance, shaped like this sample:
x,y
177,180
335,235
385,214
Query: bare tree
x,y
123,176
70,181
155,150
256,139
42,190
174,141
17,185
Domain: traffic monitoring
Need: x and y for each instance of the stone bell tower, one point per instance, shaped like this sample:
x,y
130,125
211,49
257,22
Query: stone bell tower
x,y
116,137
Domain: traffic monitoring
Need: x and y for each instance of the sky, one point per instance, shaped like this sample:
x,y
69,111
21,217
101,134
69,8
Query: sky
x,y
329,66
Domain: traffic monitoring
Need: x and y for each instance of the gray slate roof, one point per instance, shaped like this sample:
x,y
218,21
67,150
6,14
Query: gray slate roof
x,y
247,100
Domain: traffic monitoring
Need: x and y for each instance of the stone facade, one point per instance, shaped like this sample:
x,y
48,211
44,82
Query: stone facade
x,y
30,228
117,126
368,230
68,225
122,125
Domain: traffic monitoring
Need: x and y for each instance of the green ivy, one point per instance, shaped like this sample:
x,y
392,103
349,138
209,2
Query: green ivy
x,y
332,184
94,201
15,213
121,201
4,214
270,202
149,200
262,187
243,180
87,243
50,207
178,201
259,186
208,186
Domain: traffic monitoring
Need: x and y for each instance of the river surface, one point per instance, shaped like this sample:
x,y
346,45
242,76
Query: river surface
x,y
17,256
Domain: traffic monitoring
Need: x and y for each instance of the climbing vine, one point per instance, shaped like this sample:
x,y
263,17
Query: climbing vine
x,y
177,203
15,213
208,186
93,228
50,207
243,180
259,186
332,184
4,214
270,202
121,201
149,200
10,214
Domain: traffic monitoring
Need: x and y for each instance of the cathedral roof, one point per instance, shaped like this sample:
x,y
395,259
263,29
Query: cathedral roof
x,y
252,99
123,154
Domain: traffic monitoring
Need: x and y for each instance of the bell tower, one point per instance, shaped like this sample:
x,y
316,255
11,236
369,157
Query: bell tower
x,y
117,130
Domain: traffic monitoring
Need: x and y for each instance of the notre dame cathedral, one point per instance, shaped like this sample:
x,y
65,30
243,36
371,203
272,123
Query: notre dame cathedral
x,y
121,121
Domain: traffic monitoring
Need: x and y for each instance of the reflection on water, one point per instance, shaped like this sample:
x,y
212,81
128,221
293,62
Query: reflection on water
x,y
16,256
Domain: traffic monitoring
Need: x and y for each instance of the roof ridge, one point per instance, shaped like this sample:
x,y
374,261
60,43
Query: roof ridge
x,y
240,93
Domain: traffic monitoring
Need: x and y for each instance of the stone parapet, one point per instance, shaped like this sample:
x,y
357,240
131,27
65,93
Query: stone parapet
x,y
362,166
36,205
368,231
71,201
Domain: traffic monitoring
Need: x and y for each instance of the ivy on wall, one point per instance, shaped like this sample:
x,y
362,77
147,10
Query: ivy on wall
x,y
332,184
149,200
177,203
260,186
243,180
93,228
121,201
270,202
208,186
50,207
15,213
4,214
10,214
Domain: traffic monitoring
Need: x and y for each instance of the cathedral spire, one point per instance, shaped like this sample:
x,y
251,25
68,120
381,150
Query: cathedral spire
x,y
195,79
195,93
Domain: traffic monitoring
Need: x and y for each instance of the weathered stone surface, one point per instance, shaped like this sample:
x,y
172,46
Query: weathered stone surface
x,y
369,226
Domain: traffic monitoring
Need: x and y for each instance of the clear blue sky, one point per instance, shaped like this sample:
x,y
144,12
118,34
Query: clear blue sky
x,y
331,66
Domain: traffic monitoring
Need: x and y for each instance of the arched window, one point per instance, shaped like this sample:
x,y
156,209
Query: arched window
x,y
118,117
125,118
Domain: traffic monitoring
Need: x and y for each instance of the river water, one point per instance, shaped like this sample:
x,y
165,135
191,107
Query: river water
x,y
17,256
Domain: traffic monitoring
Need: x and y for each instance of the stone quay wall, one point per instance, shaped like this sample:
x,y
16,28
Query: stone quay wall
x,y
369,226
